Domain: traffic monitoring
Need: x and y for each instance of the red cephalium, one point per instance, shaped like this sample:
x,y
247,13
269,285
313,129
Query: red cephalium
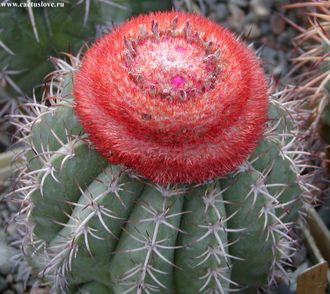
x,y
173,96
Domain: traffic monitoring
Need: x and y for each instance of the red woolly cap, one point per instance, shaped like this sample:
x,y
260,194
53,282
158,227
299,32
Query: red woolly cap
x,y
173,96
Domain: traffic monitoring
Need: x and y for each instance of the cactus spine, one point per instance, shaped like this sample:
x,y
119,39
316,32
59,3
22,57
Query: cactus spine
x,y
104,228
313,58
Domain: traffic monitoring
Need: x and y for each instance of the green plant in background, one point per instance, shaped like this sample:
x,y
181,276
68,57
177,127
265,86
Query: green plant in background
x,y
30,35
214,219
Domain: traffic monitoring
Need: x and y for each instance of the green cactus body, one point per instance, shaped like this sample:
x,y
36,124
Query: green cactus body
x,y
99,228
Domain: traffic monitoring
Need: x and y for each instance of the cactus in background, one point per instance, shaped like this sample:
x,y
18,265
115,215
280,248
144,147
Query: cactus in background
x,y
198,187
30,35
314,45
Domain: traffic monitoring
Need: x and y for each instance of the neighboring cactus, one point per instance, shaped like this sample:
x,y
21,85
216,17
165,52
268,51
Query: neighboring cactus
x,y
174,98
313,67
28,36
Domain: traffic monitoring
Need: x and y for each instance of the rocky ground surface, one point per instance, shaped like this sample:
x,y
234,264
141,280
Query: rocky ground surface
x,y
10,283
261,22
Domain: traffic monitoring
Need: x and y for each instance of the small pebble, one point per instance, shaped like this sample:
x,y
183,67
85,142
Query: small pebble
x,y
19,287
241,3
264,28
221,11
285,38
211,2
10,278
269,53
283,288
282,67
12,229
277,24
39,291
6,252
12,207
9,292
5,214
299,257
3,284
236,20
260,8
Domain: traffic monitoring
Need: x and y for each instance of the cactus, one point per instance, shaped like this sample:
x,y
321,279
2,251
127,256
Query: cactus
x,y
29,35
314,67
153,166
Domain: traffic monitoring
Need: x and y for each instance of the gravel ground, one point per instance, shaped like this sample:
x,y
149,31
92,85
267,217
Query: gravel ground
x,y
259,22
10,282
